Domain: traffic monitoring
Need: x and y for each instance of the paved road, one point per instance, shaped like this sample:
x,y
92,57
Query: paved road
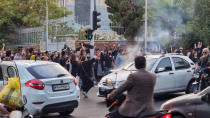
x,y
95,107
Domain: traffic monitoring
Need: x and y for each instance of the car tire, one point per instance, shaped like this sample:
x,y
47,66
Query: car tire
x,y
190,87
66,113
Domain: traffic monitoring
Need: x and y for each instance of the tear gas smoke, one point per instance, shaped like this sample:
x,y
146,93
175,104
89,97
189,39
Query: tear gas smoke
x,y
165,28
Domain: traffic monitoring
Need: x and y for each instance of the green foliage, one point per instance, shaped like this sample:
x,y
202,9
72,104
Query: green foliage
x,y
26,13
81,35
125,14
60,29
198,29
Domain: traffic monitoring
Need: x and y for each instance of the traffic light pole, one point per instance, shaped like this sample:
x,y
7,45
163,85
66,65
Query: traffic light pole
x,y
92,41
94,5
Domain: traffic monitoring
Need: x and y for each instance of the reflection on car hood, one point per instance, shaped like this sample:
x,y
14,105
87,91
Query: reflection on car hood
x,y
182,100
121,75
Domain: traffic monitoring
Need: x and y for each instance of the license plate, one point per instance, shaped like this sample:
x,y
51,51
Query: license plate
x,y
101,89
60,87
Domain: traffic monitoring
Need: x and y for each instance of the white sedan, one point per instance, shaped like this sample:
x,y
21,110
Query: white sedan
x,y
46,87
173,73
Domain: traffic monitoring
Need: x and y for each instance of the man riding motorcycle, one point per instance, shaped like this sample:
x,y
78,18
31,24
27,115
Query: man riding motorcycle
x,y
140,91
204,63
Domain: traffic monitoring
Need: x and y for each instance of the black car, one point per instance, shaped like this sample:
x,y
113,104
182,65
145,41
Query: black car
x,y
190,106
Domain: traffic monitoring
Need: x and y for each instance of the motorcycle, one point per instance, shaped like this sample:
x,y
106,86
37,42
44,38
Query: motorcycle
x,y
113,106
199,80
15,114
19,112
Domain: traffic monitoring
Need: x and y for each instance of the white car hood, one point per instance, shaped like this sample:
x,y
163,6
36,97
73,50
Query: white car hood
x,y
120,75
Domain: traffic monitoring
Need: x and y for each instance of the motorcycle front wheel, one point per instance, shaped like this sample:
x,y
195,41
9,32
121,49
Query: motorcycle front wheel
x,y
193,87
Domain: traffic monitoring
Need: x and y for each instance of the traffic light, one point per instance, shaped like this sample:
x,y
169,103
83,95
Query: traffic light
x,y
88,34
96,20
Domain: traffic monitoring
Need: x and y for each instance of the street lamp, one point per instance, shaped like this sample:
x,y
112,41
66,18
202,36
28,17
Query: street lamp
x,y
64,5
145,40
46,25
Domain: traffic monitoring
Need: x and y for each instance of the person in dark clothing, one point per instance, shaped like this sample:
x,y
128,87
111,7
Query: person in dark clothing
x,y
109,62
204,63
8,56
195,57
63,59
57,57
84,48
73,66
85,74
199,48
99,67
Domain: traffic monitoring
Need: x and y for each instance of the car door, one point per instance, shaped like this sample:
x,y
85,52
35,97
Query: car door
x,y
9,70
165,77
182,72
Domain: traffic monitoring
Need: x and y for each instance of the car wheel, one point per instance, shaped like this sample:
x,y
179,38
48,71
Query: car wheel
x,y
66,113
192,88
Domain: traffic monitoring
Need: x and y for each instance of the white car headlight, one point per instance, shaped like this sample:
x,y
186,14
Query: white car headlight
x,y
109,82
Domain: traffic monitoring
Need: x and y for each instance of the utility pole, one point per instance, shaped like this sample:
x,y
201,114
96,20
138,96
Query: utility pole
x,y
64,5
46,25
145,40
92,40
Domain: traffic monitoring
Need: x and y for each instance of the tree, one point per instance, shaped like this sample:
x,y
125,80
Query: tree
x,y
202,20
173,17
26,13
198,29
124,14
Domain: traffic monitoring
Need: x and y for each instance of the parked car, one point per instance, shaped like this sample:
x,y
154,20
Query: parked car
x,y
45,86
190,105
173,73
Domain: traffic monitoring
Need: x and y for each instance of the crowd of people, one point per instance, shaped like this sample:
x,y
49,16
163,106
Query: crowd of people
x,y
78,62
196,53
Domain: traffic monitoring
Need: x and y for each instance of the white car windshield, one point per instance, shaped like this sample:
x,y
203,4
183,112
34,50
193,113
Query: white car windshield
x,y
149,65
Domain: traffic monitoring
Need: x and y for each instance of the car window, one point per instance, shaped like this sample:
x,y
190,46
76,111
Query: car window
x,y
11,72
165,64
48,71
149,64
180,63
131,67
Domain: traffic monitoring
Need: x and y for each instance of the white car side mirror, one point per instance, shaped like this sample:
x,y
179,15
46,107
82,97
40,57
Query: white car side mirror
x,y
160,70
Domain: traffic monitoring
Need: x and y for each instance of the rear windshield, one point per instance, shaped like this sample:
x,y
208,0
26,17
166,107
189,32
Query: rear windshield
x,y
48,71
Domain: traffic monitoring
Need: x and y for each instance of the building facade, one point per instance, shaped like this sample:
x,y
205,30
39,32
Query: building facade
x,y
81,10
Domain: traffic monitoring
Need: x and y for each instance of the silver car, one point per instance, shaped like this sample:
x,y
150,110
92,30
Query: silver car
x,y
173,73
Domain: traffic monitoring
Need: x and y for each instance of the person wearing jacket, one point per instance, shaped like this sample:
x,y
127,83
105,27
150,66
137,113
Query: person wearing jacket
x,y
99,67
118,60
140,91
